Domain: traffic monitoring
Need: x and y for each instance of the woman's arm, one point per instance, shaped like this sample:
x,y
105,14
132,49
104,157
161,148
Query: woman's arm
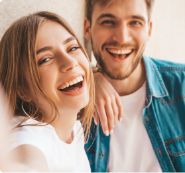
x,y
108,104
28,158
24,157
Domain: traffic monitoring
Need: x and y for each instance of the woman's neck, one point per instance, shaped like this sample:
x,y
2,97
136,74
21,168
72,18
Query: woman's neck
x,y
64,124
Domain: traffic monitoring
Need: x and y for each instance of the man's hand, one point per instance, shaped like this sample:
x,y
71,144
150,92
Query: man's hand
x,y
108,105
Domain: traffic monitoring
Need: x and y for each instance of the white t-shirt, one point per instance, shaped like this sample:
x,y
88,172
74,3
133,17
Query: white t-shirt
x,y
59,155
130,147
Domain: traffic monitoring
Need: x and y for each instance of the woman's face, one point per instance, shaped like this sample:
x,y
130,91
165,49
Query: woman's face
x,y
63,68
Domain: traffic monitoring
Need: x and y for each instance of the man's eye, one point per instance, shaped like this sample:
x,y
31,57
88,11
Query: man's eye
x,y
44,60
136,23
108,23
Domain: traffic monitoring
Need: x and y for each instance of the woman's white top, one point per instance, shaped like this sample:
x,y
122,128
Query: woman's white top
x,y
59,155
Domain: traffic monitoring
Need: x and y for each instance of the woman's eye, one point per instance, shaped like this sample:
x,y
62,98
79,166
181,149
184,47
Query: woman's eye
x,y
44,60
74,48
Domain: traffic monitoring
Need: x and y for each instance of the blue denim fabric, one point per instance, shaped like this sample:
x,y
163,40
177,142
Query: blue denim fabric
x,y
163,118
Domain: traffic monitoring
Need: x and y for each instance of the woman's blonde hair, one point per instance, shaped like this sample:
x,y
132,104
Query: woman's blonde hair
x,y
17,64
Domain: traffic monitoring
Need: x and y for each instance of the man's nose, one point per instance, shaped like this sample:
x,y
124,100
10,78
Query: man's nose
x,y
122,34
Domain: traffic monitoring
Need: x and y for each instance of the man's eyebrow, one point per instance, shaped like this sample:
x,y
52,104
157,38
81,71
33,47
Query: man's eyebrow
x,y
49,48
138,17
105,15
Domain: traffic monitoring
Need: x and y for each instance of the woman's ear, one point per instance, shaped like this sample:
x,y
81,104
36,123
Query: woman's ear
x,y
87,29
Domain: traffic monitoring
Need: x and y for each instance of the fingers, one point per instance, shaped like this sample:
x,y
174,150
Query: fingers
x,y
103,118
96,118
110,115
109,112
115,110
119,107
108,104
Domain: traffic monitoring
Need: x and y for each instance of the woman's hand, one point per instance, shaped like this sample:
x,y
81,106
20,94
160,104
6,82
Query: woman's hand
x,y
108,105
4,128
24,158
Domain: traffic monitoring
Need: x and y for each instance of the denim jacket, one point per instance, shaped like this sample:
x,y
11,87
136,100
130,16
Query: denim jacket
x,y
163,118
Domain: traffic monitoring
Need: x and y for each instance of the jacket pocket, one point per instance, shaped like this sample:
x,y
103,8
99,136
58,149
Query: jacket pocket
x,y
176,150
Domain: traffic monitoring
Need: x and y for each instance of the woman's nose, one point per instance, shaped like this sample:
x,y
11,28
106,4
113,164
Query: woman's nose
x,y
67,63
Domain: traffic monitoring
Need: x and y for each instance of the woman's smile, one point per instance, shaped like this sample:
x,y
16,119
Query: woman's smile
x,y
73,87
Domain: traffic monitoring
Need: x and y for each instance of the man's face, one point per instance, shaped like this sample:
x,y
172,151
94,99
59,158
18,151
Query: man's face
x,y
119,32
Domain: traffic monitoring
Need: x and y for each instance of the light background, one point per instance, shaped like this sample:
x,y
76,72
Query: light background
x,y
71,10
168,36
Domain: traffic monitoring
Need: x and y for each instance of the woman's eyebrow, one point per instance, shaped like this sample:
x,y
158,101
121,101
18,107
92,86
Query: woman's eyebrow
x,y
69,39
43,49
49,48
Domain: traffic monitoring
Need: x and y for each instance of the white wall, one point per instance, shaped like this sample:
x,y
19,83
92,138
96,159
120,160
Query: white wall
x,y
168,35
71,10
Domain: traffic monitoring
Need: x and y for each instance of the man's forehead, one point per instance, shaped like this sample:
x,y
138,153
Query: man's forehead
x,y
104,3
120,7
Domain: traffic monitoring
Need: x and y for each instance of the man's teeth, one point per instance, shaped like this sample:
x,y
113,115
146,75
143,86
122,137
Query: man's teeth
x,y
120,51
72,82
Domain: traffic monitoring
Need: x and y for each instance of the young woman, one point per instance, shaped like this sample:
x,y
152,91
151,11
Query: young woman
x,y
45,74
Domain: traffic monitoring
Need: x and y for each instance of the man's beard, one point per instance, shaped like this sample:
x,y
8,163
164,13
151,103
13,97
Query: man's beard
x,y
112,75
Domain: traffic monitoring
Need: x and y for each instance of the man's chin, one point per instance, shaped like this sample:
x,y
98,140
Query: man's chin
x,y
116,76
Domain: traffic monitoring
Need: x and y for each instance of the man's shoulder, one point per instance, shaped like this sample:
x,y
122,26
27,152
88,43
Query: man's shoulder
x,y
164,65
163,76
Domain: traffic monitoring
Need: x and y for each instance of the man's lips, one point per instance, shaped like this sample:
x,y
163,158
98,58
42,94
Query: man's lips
x,y
120,53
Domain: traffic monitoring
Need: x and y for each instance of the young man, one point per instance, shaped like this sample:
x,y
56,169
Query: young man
x,y
151,136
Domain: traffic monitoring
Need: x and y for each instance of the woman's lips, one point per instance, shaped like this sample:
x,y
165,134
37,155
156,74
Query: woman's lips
x,y
74,90
71,82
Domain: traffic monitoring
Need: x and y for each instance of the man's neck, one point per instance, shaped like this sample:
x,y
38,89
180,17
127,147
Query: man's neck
x,y
132,83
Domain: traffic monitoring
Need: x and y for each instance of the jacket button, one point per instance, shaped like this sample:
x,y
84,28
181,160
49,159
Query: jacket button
x,y
101,154
159,151
147,119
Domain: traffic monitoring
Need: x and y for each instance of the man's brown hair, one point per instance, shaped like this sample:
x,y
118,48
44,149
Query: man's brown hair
x,y
91,3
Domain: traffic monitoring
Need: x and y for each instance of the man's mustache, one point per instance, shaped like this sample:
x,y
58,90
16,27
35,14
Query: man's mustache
x,y
116,44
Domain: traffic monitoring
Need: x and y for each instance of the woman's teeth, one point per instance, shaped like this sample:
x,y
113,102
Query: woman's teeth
x,y
72,82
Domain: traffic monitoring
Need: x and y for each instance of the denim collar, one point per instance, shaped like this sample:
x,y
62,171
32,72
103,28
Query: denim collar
x,y
155,83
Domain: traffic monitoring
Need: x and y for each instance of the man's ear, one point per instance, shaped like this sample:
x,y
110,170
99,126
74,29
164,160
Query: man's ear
x,y
150,29
87,29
